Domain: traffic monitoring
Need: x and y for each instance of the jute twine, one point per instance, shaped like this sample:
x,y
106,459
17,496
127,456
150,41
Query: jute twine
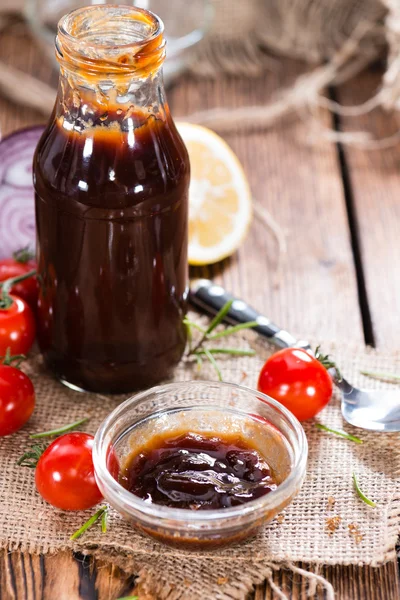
x,y
304,532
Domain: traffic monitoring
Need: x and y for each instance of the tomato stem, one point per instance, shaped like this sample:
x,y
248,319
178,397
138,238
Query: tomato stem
x,y
89,523
5,299
30,457
59,430
327,362
23,255
8,359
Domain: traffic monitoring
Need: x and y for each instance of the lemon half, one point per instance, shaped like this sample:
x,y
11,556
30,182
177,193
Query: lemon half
x,y
220,207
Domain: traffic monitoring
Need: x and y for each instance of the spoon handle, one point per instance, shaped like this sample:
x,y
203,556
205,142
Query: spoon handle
x,y
210,298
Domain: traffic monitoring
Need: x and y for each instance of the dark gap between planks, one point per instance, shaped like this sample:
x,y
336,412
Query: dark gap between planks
x,y
368,330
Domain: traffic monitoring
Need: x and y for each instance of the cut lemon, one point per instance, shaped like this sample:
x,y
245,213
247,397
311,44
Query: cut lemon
x,y
219,196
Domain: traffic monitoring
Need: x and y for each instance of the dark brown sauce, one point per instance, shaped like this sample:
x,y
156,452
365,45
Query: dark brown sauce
x,y
198,472
111,210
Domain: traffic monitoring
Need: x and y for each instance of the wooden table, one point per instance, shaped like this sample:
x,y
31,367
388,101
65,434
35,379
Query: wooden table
x,y
340,279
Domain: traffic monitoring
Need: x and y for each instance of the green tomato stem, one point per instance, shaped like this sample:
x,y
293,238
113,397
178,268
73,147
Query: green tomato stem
x,y
5,300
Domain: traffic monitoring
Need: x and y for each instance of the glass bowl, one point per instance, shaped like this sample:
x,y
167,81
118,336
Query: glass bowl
x,y
202,407
186,24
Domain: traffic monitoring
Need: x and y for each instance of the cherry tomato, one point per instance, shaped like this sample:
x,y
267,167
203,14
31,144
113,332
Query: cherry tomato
x,y
17,399
27,289
298,381
17,327
65,473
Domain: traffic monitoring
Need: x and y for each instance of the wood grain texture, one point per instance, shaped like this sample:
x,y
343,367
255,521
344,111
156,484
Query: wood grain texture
x,y
375,184
300,184
68,577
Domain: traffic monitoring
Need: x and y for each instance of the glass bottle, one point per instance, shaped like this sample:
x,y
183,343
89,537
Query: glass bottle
x,y
111,178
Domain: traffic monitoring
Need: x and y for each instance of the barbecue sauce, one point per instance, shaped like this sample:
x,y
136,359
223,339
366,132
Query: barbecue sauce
x,y
111,181
197,471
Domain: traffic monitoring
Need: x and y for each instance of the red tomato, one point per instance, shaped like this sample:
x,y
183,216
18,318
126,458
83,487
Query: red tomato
x,y
17,399
298,381
17,328
65,473
27,289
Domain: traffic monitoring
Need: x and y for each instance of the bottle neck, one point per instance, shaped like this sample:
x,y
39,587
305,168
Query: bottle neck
x,y
86,102
110,66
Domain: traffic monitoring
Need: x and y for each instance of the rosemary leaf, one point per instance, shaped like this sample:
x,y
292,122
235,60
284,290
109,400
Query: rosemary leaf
x,y
219,317
342,434
233,351
189,323
89,523
361,494
234,329
60,430
212,360
104,521
198,360
382,376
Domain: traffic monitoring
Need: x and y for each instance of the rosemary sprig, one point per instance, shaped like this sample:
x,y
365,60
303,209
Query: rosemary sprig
x,y
30,457
60,430
129,598
199,350
234,329
382,376
90,522
233,351
342,434
193,325
361,494
104,521
213,362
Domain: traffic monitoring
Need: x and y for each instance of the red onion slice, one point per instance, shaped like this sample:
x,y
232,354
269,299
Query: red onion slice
x,y
17,206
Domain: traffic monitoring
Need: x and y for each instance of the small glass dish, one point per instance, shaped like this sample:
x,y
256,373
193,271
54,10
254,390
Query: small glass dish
x,y
202,407
186,24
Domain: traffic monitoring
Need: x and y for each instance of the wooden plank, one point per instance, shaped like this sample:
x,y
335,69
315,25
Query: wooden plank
x,y
61,576
300,184
375,179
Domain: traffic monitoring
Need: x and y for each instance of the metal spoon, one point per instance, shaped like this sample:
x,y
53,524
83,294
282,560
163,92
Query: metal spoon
x,y
378,410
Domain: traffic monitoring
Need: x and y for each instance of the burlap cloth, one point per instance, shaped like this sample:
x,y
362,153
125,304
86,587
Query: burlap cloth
x,y
27,523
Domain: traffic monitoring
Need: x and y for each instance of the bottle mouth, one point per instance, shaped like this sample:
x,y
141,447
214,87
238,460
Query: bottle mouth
x,y
111,39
